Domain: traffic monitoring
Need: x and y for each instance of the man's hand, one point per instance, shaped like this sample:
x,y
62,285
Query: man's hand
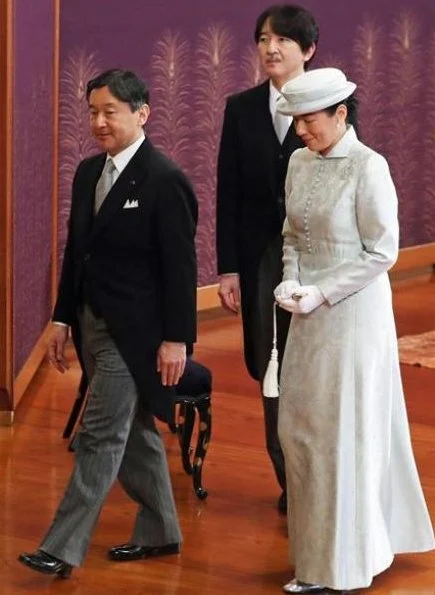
x,y
229,292
171,361
56,347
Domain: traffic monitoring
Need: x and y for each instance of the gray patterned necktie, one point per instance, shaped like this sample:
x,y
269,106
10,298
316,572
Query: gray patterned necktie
x,y
104,184
281,125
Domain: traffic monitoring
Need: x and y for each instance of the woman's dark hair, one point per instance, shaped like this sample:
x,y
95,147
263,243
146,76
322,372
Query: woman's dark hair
x,y
292,21
123,84
351,103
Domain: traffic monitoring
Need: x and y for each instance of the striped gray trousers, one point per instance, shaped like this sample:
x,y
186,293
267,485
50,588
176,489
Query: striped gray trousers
x,y
113,442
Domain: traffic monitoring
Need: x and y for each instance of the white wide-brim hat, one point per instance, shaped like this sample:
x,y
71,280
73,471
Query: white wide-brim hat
x,y
313,91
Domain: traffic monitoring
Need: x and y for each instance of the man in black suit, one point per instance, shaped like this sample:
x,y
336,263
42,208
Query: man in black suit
x,y
255,148
128,292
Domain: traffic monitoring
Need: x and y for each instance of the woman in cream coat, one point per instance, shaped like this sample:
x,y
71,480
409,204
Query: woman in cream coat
x,y
355,498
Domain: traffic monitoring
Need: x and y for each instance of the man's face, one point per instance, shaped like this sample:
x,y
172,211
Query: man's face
x,y
113,123
281,58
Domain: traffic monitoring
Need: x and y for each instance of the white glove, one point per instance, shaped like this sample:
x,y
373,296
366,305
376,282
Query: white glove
x,y
284,290
303,300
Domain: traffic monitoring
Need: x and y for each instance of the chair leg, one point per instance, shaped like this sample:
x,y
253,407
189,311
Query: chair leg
x,y
185,429
204,434
73,439
173,428
73,443
178,414
77,407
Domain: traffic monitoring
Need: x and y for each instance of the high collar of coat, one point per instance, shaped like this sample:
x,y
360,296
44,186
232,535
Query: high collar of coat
x,y
343,147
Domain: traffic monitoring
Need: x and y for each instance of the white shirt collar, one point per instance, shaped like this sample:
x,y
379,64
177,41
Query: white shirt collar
x,y
274,95
122,158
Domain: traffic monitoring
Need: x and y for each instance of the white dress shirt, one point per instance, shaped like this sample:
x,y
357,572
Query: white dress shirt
x,y
121,159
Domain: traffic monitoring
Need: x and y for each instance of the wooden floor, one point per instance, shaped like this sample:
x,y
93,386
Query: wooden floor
x,y
234,542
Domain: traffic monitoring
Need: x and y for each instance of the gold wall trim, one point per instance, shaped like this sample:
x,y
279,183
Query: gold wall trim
x,y
6,213
410,259
414,258
6,418
31,366
56,109
413,261
207,297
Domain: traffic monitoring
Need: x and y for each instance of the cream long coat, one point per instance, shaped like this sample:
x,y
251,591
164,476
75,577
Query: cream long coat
x,y
354,494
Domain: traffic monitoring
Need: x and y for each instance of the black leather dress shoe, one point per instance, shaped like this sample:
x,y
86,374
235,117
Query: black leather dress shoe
x,y
129,552
282,503
42,562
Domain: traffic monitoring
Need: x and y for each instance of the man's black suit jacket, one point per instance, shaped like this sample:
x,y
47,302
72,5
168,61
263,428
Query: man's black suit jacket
x,y
139,263
252,167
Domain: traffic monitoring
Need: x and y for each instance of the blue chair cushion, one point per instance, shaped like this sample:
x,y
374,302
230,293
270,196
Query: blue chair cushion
x,y
195,381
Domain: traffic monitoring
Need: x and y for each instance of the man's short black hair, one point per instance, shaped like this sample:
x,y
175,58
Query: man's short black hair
x,y
292,21
125,85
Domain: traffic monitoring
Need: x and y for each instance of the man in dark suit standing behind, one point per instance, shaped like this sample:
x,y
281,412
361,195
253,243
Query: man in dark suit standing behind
x,y
128,292
255,148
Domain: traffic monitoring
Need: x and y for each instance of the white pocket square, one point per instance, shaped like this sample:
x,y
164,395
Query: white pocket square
x,y
131,204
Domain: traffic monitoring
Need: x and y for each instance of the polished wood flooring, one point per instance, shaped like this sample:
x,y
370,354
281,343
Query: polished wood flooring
x,y
235,541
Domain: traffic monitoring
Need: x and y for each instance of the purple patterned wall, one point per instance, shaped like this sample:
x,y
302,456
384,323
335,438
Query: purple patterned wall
x,y
32,173
193,54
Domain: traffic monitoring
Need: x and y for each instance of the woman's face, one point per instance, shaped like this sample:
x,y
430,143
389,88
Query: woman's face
x,y
320,131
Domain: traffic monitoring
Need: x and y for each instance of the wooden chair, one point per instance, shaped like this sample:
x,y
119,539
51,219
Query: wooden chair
x,y
193,398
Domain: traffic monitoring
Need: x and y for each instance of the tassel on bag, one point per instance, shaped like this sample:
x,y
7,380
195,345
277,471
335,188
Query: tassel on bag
x,y
270,381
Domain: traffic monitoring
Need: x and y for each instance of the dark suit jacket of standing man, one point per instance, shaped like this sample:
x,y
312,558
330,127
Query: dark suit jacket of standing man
x,y
137,264
252,167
